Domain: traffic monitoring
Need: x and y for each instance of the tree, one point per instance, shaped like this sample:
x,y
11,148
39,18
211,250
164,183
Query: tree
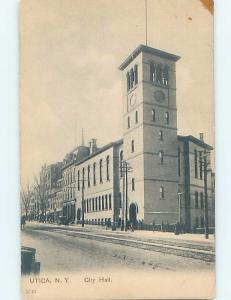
x,y
26,199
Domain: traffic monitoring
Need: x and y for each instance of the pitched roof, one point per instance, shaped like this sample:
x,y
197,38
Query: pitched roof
x,y
194,140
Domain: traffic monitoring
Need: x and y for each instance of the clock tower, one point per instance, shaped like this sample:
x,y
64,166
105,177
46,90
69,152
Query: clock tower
x,y
150,135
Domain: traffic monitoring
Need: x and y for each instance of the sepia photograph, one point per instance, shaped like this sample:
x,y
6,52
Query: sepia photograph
x,y
117,171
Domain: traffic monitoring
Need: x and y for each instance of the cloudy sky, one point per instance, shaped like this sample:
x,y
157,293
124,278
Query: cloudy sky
x,y
70,51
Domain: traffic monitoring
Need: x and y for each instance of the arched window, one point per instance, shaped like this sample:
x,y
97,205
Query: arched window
x,y
196,200
167,117
107,166
153,72
161,135
161,157
153,115
161,192
94,176
136,116
101,170
165,75
195,163
88,175
128,81
132,146
128,122
200,165
121,162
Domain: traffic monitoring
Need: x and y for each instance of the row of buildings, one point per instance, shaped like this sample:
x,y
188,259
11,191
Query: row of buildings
x,y
151,175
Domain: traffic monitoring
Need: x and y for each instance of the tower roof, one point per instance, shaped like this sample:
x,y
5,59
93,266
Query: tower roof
x,y
147,49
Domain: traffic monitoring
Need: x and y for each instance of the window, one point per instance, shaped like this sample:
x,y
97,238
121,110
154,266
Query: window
x,y
153,72
153,115
179,161
201,164
161,157
196,200
99,203
133,184
109,201
161,192
165,75
136,74
94,177
107,167
96,203
120,200
121,163
159,74
106,204
102,202
93,204
195,163
83,183
78,180
136,117
128,81
196,222
131,78
167,117
202,200
100,171
202,222
128,122
161,135
132,146
88,176
87,205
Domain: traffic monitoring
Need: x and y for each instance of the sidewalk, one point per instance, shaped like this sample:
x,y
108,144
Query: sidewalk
x,y
140,234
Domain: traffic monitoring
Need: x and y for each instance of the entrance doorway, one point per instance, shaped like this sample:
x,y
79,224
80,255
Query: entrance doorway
x,y
133,214
78,214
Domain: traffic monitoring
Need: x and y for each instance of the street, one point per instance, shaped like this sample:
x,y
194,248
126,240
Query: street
x,y
64,250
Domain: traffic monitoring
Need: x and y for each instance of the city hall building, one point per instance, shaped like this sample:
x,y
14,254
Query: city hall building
x,y
151,174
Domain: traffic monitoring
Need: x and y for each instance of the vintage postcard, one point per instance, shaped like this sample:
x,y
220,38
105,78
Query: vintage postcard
x,y
117,149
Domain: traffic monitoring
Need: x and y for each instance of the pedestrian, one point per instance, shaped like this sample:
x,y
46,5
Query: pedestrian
x,y
153,226
23,222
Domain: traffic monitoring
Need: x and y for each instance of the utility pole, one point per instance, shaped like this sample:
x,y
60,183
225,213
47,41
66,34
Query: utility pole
x,y
83,203
123,195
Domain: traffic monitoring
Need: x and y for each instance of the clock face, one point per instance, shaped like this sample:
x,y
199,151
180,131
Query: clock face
x,y
159,96
132,100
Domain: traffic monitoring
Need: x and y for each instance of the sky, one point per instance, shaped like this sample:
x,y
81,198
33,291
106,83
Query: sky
x,y
70,51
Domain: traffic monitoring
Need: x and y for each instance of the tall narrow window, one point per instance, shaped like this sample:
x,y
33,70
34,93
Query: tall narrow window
x,y
83,183
131,78
167,117
93,204
153,115
136,117
161,157
96,203
128,82
109,201
106,204
201,165
159,73
202,222
161,135
101,171
195,163
78,180
132,146
179,161
99,202
202,200
133,184
161,192
88,176
196,200
107,167
136,74
128,122
102,202
121,162
94,177
165,76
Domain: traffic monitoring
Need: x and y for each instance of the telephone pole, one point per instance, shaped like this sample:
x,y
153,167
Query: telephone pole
x,y
83,221
126,196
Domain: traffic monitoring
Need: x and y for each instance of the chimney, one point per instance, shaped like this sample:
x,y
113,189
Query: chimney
x,y
202,136
92,146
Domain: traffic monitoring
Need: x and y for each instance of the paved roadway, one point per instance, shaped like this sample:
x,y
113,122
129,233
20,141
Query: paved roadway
x,y
67,250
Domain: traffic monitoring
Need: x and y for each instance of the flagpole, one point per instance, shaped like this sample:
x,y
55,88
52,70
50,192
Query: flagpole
x,y
146,23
